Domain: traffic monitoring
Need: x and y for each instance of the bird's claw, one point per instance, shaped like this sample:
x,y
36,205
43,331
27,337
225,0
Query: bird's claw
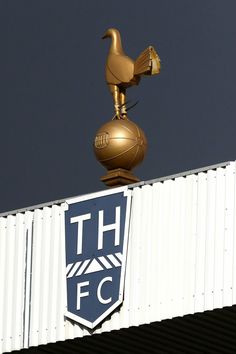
x,y
117,116
123,116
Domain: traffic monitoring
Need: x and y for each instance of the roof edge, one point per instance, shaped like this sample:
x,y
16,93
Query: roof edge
x,y
131,186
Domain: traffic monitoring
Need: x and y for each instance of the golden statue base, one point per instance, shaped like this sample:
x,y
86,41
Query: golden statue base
x,y
119,177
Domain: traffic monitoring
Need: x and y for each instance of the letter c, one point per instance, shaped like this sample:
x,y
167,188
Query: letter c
x,y
100,298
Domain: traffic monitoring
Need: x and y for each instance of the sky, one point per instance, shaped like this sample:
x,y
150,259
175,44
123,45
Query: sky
x,y
54,96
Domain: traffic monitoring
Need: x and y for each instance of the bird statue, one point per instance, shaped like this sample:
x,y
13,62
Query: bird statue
x,y
123,72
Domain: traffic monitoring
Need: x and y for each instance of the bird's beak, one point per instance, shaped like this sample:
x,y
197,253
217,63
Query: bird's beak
x,y
104,36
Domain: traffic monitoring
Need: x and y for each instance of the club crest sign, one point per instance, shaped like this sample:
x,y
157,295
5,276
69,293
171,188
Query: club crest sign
x,y
96,231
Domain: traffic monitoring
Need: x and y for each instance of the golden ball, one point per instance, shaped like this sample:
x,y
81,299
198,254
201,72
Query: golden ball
x,y
120,143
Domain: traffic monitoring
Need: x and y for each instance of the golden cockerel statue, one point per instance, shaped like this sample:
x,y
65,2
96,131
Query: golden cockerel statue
x,y
122,72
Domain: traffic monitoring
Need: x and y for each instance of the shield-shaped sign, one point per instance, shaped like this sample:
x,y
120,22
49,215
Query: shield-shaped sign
x,y
96,229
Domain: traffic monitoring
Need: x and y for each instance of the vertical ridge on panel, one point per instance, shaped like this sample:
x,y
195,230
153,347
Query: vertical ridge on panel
x,y
134,254
18,282
70,329
161,256
166,261
154,210
7,313
219,237
3,270
125,307
170,238
229,234
74,330
35,312
58,275
51,282
210,240
190,243
28,275
146,253
177,245
58,228
62,272
234,240
45,270
112,323
200,243
157,239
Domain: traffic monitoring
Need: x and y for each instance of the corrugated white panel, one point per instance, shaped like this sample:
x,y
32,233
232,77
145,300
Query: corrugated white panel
x,y
14,231
181,260
181,257
47,286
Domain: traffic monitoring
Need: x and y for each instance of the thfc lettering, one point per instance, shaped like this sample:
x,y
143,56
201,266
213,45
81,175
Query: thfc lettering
x,y
83,287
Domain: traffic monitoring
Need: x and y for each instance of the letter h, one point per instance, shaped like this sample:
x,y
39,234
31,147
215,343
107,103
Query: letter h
x,y
103,228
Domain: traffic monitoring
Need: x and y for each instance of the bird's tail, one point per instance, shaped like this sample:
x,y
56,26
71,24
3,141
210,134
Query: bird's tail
x,y
148,63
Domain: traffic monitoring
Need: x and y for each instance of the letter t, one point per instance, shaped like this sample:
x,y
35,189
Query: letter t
x,y
80,219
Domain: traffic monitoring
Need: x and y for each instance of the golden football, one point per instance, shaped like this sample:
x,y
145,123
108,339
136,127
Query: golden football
x,y
120,143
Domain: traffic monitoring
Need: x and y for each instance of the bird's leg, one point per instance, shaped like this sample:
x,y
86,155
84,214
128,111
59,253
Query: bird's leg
x,y
123,103
116,96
